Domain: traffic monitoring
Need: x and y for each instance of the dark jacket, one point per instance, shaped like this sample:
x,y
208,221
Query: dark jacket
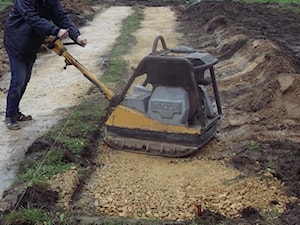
x,y
30,21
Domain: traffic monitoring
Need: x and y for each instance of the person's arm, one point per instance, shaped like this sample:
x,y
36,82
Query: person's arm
x,y
29,11
62,19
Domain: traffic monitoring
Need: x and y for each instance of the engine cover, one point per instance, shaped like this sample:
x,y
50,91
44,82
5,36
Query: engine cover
x,y
169,105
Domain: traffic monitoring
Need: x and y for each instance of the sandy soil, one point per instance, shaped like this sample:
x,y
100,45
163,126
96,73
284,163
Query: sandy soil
x,y
258,77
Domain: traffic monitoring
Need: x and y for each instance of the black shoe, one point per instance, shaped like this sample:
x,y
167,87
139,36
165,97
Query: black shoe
x,y
11,123
22,117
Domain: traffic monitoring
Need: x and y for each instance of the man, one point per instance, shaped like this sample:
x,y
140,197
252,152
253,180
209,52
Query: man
x,y
29,22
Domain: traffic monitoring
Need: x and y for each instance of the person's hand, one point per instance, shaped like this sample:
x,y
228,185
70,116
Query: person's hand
x,y
62,33
81,41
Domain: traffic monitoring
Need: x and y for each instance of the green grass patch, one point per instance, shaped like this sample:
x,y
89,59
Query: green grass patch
x,y
271,218
36,172
28,216
253,146
286,4
75,131
4,4
272,1
235,180
37,217
72,136
118,67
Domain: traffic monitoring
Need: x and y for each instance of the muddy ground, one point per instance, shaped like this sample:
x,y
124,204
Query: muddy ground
x,y
261,105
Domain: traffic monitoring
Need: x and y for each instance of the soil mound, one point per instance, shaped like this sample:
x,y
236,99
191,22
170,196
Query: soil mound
x,y
258,71
258,80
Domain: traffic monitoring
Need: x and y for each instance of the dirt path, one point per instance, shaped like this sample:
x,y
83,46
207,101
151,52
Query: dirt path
x,y
53,90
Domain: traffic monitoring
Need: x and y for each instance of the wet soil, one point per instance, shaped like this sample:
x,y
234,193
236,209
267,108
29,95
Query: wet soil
x,y
260,129
275,22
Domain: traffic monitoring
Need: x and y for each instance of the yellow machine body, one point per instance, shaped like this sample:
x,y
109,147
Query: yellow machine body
x,y
125,117
171,113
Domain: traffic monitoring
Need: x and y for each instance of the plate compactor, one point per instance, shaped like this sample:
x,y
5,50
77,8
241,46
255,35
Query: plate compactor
x,y
165,108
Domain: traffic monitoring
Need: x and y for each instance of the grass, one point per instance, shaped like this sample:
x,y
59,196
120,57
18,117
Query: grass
x,y
235,180
253,146
272,1
27,215
79,126
37,173
272,218
71,136
37,217
4,4
118,67
287,3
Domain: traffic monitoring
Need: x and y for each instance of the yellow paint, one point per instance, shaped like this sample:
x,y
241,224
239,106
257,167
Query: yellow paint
x,y
125,117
